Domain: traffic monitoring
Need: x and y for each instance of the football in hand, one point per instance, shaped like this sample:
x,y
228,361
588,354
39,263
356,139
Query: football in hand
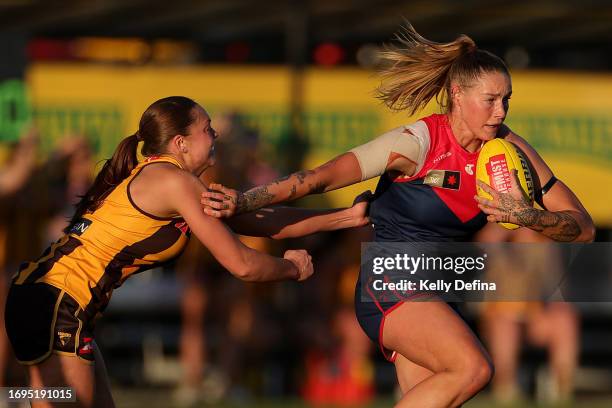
x,y
496,160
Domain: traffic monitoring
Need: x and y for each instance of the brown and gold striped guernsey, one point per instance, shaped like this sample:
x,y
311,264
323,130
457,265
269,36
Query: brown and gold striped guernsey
x,y
107,246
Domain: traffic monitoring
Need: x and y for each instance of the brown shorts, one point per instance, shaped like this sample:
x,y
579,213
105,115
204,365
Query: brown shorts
x,y
42,319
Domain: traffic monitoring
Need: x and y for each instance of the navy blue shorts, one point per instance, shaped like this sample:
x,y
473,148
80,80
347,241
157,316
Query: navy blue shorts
x,y
371,315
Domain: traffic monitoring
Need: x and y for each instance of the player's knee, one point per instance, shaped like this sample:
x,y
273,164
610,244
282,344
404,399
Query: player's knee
x,y
477,373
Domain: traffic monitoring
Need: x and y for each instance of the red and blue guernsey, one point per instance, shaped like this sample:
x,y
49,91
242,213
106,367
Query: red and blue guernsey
x,y
437,203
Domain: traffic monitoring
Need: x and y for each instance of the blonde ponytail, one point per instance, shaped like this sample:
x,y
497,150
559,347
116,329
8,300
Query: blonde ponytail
x,y
416,70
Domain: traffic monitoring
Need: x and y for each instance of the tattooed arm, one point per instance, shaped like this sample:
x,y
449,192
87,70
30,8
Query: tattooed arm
x,y
563,218
339,172
399,150
513,207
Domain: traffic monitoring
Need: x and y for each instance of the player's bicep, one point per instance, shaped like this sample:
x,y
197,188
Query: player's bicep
x,y
212,233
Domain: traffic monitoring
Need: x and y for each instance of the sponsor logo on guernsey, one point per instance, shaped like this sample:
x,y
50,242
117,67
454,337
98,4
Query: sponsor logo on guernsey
x,y
443,178
469,169
80,226
442,156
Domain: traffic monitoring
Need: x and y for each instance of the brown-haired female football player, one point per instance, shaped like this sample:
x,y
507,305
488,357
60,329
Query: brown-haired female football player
x,y
426,193
137,216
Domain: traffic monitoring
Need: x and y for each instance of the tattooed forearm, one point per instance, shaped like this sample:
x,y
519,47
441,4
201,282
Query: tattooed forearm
x,y
293,192
280,180
530,217
301,175
253,199
568,228
286,188
559,226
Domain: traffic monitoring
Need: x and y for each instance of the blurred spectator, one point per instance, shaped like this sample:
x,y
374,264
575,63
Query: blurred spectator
x,y
19,165
74,167
14,174
550,325
36,201
239,152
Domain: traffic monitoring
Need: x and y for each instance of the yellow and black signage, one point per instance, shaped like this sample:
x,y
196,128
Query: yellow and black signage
x,y
566,116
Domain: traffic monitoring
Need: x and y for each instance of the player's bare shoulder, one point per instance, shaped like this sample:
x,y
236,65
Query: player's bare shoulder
x,y
158,177
161,188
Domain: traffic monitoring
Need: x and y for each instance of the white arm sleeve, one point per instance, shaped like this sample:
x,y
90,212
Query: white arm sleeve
x,y
410,141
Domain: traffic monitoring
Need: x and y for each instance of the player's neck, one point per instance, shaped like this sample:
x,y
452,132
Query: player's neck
x,y
464,136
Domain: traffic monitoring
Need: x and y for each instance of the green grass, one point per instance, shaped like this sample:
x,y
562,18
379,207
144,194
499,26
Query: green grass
x,y
156,398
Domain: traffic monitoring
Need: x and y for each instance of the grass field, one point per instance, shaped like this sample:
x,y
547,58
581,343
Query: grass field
x,y
131,398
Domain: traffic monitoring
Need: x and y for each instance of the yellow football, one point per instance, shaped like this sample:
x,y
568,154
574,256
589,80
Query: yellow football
x,y
496,160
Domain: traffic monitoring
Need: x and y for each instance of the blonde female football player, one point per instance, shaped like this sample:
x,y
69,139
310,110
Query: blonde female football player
x,y
426,193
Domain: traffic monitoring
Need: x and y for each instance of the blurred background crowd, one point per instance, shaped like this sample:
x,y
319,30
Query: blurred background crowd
x,y
289,85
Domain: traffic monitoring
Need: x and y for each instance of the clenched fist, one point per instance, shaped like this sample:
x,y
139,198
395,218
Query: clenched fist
x,y
302,261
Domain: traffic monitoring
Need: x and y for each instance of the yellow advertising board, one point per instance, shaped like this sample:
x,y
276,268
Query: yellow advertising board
x,y
566,116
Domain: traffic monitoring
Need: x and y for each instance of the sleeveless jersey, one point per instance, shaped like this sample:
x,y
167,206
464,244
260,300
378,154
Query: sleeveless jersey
x,y
106,246
437,203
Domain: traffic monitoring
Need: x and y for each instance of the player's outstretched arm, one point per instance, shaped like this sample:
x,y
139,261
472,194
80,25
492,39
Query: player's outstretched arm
x,y
564,218
399,150
339,172
288,222
183,192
